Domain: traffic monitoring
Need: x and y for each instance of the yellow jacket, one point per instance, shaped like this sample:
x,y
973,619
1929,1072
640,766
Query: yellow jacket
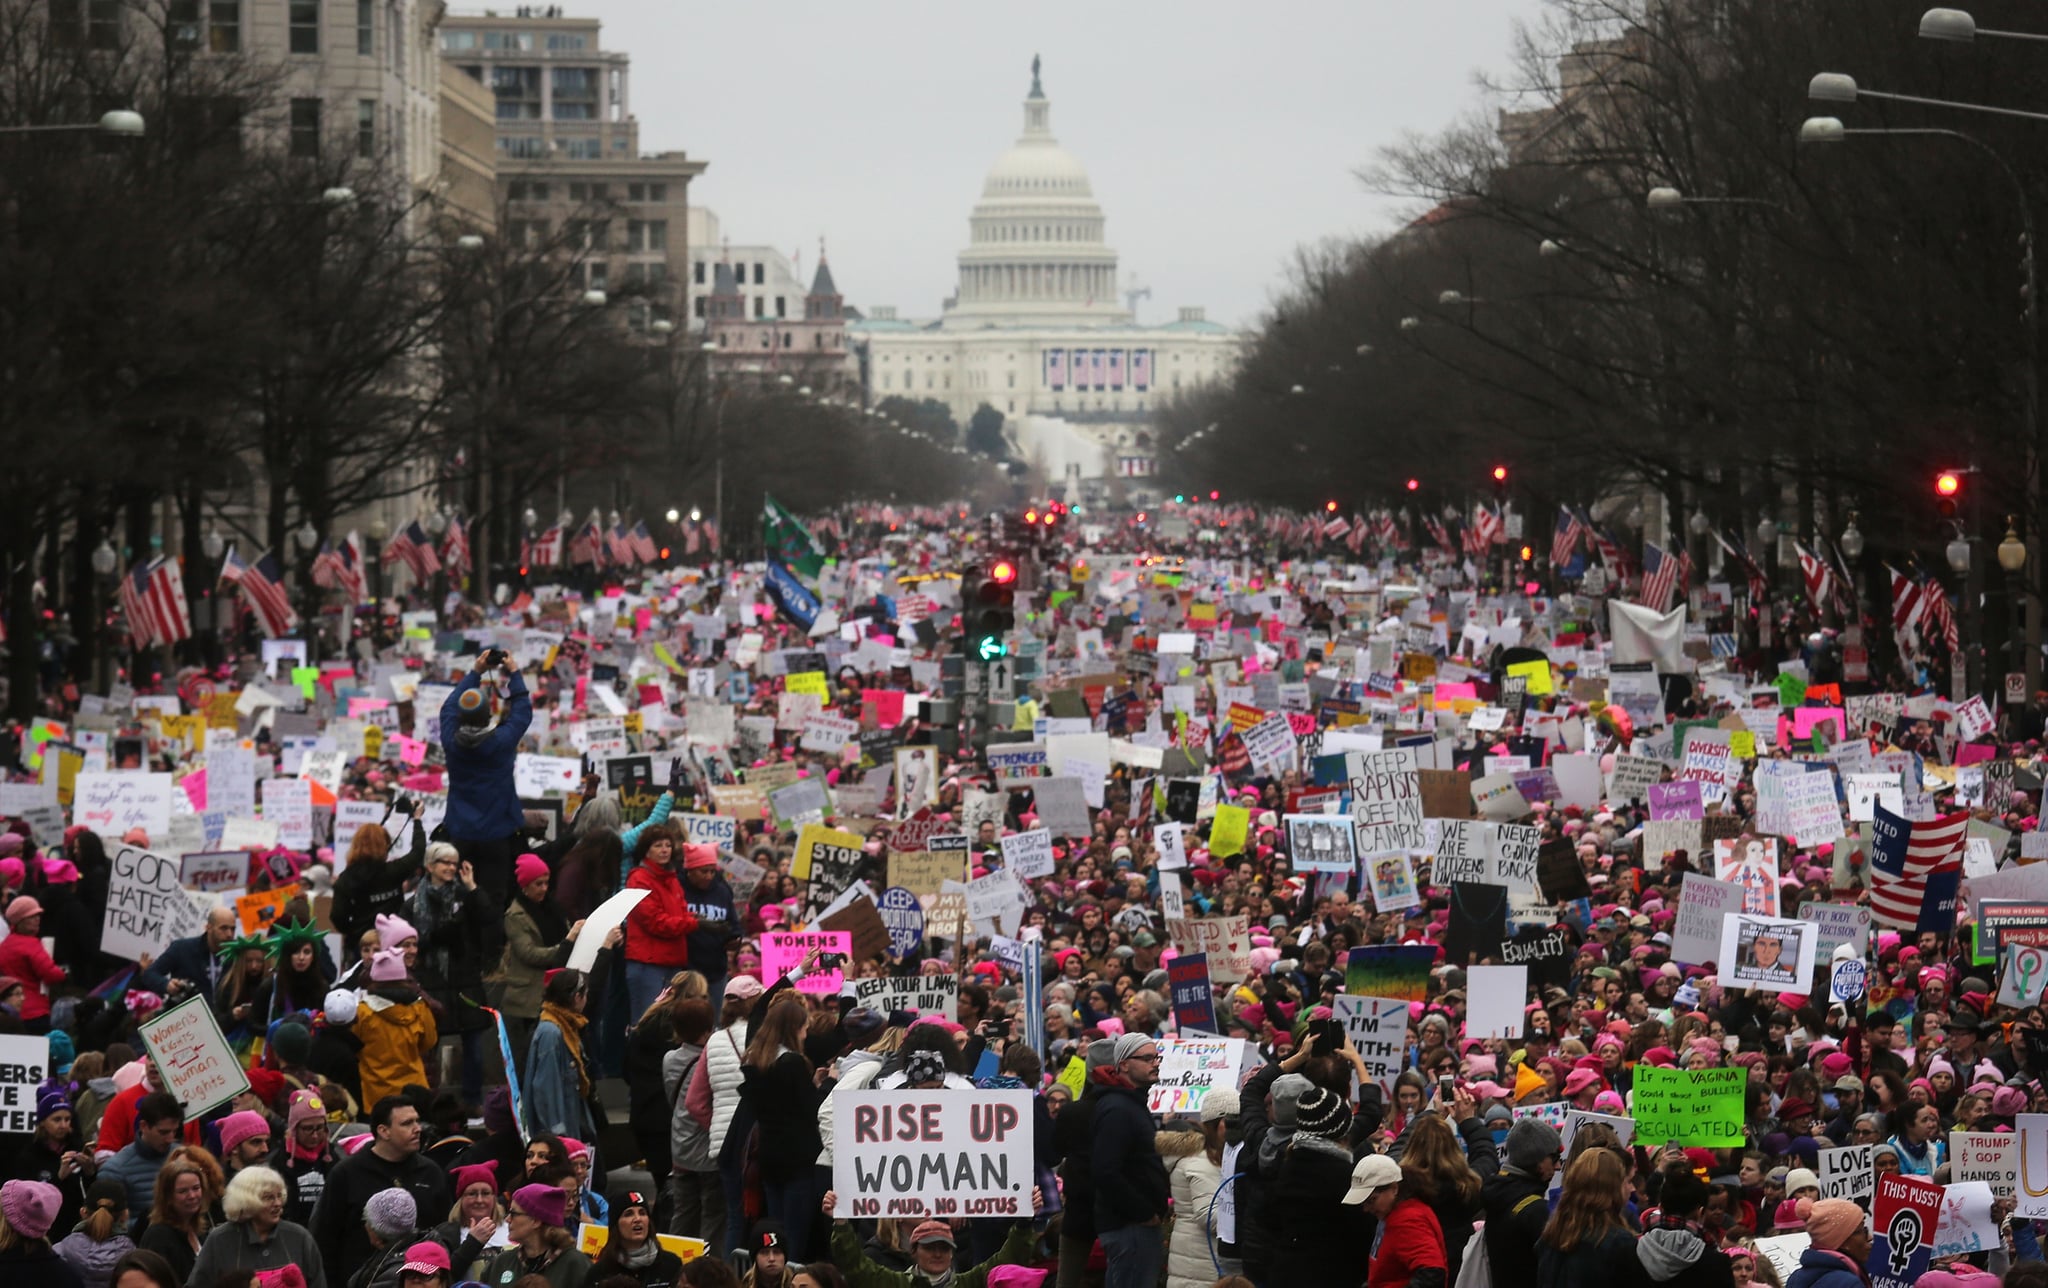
x,y
396,1038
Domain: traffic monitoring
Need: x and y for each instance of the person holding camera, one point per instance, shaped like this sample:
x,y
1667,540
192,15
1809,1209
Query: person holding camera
x,y
484,818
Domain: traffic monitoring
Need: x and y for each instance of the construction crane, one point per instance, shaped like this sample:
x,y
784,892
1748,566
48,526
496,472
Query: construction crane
x,y
1134,290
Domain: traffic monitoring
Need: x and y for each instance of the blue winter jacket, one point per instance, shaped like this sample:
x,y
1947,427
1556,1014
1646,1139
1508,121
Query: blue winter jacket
x,y
483,804
1821,1269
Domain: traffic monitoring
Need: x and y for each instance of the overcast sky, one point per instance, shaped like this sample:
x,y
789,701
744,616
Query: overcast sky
x,y
1218,134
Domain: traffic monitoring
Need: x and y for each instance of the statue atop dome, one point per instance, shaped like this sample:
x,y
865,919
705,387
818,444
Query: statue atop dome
x,y
1037,90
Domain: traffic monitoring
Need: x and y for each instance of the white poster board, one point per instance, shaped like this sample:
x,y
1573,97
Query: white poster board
x,y
1495,995
147,906
601,921
1189,1068
112,803
1378,1029
940,1153
198,1065
24,1064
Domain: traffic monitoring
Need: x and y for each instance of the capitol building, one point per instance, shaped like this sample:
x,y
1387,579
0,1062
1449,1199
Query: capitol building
x,y
1038,328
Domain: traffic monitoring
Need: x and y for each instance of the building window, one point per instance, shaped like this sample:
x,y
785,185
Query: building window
x,y
305,141
183,18
697,272
305,26
366,127
557,40
788,340
458,40
515,40
760,273
366,28
761,311
646,235
518,91
526,148
600,275
780,311
575,93
584,149
698,306
103,24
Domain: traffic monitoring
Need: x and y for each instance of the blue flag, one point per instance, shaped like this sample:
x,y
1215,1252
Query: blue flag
x,y
797,604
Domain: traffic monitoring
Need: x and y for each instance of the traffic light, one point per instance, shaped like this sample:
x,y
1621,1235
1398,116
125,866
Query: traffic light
x,y
1329,507
1414,485
1527,553
1500,481
1948,487
989,610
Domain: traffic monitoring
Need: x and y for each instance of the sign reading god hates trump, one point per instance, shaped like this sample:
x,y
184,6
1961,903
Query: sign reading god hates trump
x,y
936,1153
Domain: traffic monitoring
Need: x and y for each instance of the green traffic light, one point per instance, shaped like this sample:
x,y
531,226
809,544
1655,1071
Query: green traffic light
x,y
988,648
1180,498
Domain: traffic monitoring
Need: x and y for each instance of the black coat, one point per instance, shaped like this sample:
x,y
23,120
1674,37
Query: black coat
x,y
338,1217
1516,1212
1130,1177
1073,1141
1254,1187
364,889
785,1105
1317,1236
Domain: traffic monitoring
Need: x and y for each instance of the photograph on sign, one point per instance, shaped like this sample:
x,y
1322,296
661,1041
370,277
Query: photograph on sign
x,y
1767,953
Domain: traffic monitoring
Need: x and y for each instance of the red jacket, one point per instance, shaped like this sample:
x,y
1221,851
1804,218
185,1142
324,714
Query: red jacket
x,y
1411,1240
658,928
23,958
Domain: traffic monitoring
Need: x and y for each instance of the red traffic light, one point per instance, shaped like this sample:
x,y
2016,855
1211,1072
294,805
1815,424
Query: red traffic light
x,y
1414,485
1002,572
1947,483
1214,495
1031,516
1500,473
1330,506
1527,554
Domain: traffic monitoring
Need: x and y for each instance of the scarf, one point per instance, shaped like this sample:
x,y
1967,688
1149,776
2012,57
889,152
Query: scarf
x,y
642,1257
571,1024
942,1281
547,920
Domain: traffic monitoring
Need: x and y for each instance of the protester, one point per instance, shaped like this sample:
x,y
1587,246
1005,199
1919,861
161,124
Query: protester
x,y
396,1028
100,1239
474,1222
1193,1178
457,924
932,1245
631,1250
158,1124
659,926
27,1210
1587,1241
559,1082
484,818
256,1236
181,1209
1131,1192
540,1244
392,1160
537,941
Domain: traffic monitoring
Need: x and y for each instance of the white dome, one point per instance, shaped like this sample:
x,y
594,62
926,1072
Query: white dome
x,y
1036,167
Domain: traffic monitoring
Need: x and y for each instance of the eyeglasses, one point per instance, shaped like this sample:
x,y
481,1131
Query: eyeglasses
x,y
1148,1059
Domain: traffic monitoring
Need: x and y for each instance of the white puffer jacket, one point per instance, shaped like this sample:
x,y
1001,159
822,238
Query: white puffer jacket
x,y
724,1055
857,1072
1193,1181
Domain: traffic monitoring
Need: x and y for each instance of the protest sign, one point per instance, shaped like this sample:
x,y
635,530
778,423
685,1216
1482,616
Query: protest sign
x,y
198,1065
1389,970
1189,1068
1391,883
1386,799
1836,924
996,898
830,845
1703,905
111,804
1494,1001
288,806
1966,1223
782,951
1226,940
1688,1106
1378,1029
1029,854
1512,862
1752,863
903,916
147,906
1193,996
1902,1221
708,829
24,1064
1320,843
1847,1172
211,871
1988,1156
1766,953
919,994
602,920
1783,1252
939,1153
1463,848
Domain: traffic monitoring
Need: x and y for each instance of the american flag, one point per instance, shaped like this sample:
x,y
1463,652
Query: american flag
x,y
455,547
153,600
691,538
1663,575
643,542
1335,526
587,545
1386,529
1818,575
1610,551
1759,585
1439,533
1912,862
1940,618
1488,524
412,545
1908,601
1354,541
262,587
341,568
1569,530
543,551
711,535
618,546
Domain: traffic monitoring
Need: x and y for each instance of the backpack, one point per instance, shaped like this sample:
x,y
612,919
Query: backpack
x,y
1477,1269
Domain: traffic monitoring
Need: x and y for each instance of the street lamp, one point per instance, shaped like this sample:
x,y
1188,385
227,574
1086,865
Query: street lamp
x,y
1411,323
530,519
593,299
1958,553
695,514
212,543
1550,248
662,326
119,123
785,380
437,522
673,514
2012,557
104,559
1699,523
1957,27
2012,552
337,198
308,535
1766,532
1836,87
1669,199
1851,540
1297,389
469,243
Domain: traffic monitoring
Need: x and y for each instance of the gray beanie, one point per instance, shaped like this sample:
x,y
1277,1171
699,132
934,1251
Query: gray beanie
x,y
1127,1046
1101,1053
1288,1089
390,1214
1530,1142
